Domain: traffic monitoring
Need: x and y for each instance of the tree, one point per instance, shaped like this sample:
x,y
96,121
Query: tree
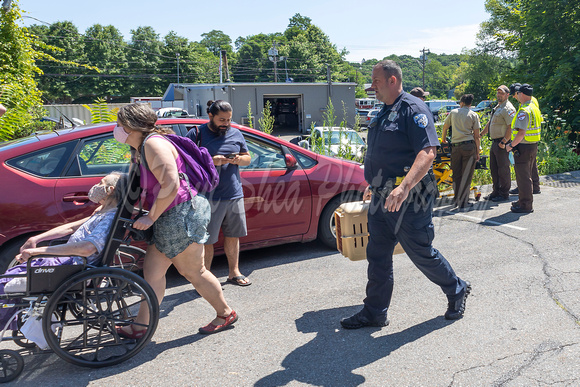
x,y
217,40
59,83
145,62
543,37
105,48
197,64
253,64
18,91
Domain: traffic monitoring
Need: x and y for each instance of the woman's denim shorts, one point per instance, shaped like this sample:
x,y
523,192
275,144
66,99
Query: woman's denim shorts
x,y
181,226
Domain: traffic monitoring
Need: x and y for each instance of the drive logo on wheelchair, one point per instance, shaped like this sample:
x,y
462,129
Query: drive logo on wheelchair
x,y
43,271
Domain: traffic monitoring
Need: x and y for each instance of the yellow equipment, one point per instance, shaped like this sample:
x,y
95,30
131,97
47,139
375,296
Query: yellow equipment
x,y
444,174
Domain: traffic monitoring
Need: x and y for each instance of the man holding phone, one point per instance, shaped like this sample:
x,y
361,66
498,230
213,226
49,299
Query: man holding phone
x,y
229,151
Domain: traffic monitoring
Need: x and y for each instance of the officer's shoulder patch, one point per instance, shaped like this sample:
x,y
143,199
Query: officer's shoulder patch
x,y
421,120
512,113
522,116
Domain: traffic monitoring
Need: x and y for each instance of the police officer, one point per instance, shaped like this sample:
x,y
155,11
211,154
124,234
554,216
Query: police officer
x,y
535,174
499,129
419,93
465,148
525,137
402,144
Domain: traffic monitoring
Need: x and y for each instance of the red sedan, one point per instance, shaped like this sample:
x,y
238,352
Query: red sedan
x,y
290,193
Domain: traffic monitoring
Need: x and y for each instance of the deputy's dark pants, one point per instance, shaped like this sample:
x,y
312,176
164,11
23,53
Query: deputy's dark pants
x,y
535,175
523,166
415,233
499,166
463,165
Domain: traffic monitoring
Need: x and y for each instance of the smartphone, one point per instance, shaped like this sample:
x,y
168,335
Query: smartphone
x,y
231,156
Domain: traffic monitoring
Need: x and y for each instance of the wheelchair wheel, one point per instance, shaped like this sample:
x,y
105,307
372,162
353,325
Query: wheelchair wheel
x,y
129,258
11,365
90,305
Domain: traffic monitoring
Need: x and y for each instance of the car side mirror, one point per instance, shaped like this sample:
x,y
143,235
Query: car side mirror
x,y
304,144
296,140
291,162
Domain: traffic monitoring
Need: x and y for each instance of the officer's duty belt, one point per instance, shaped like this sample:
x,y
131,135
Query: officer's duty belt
x,y
463,142
428,181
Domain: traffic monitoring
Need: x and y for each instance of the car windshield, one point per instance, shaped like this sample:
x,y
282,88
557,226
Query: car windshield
x,y
335,138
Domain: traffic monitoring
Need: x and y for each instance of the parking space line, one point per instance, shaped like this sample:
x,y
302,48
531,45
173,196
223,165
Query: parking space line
x,y
485,221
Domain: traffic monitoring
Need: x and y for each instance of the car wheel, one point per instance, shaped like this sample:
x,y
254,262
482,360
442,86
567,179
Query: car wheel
x,y
326,224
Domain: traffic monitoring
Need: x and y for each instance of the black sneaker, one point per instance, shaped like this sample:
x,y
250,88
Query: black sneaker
x,y
500,199
456,308
514,191
520,210
357,321
537,192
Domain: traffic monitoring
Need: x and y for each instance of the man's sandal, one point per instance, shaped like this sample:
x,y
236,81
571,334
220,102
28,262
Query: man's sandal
x,y
211,328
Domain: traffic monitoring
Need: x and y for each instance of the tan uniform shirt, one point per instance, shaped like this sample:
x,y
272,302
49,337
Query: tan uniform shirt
x,y
501,120
464,123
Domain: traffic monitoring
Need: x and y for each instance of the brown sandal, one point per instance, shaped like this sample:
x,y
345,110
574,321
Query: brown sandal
x,y
134,334
211,328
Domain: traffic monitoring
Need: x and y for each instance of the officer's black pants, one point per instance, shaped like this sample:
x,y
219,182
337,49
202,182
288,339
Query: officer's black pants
x,y
413,228
524,167
499,167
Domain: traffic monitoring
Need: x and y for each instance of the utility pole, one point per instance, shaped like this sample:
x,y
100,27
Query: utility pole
x,y
177,55
221,70
224,55
273,56
285,59
424,53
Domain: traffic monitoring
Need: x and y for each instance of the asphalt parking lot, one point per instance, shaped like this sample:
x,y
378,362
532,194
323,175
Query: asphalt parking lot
x,y
521,327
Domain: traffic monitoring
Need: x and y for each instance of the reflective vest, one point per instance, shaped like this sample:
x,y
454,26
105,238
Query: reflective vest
x,y
534,122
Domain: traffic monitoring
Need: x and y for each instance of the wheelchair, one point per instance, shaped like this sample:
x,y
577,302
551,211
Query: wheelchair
x,y
79,306
444,174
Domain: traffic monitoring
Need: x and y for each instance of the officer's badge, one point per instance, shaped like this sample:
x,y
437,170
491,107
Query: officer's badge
x,y
421,120
522,116
512,113
392,115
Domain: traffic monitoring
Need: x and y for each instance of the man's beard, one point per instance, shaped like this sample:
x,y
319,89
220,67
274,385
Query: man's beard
x,y
220,130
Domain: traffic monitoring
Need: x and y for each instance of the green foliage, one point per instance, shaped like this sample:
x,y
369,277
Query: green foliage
x,y
250,121
18,88
215,41
100,112
542,40
329,117
266,122
556,153
105,152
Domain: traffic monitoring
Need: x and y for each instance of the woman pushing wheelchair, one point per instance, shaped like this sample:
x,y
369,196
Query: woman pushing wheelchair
x,y
178,215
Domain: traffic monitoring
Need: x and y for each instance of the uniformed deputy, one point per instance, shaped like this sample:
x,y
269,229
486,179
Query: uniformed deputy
x,y
499,129
535,174
525,137
464,148
402,144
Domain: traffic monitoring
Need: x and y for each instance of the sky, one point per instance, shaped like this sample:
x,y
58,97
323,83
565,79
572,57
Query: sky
x,y
365,30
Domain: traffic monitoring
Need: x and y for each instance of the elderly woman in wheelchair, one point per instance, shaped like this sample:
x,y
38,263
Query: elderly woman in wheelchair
x,y
69,297
87,240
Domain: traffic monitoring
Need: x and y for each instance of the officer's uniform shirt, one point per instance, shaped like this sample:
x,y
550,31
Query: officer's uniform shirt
x,y
501,119
522,122
395,137
464,122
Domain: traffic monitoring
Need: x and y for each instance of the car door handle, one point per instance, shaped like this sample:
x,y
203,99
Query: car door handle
x,y
77,199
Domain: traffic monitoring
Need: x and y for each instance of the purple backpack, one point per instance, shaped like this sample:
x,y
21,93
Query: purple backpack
x,y
200,170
